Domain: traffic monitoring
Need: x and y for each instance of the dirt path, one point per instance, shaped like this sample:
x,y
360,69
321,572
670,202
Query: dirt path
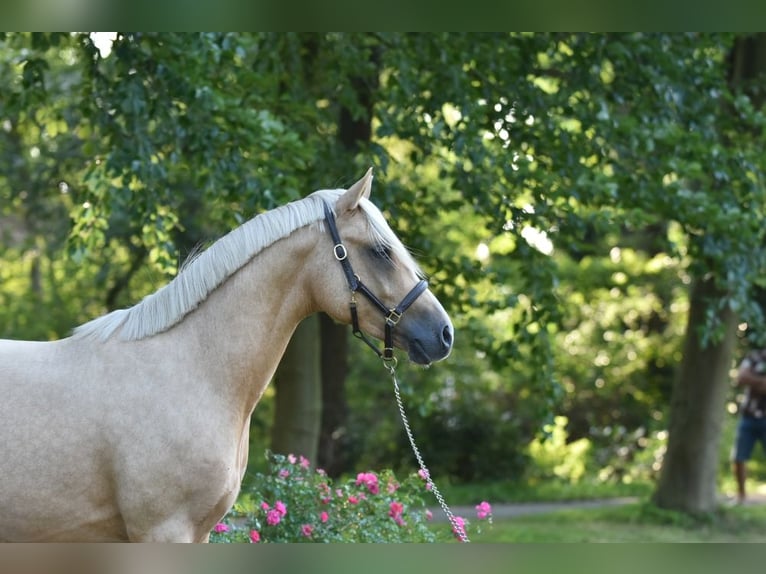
x,y
509,510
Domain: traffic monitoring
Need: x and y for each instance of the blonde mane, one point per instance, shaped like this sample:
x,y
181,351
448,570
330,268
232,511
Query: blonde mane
x,y
208,270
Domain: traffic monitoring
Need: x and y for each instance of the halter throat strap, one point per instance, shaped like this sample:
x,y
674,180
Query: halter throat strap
x,y
392,314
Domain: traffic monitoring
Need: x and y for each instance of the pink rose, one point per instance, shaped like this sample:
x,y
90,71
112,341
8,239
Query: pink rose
x,y
370,480
483,510
273,517
395,509
458,528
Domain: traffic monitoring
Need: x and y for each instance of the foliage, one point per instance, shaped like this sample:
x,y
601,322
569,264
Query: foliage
x,y
553,456
468,424
563,190
295,503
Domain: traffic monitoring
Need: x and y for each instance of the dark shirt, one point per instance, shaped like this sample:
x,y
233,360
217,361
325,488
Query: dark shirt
x,y
754,403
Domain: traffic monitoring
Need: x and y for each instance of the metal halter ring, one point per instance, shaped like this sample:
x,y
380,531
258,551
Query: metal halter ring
x,y
340,252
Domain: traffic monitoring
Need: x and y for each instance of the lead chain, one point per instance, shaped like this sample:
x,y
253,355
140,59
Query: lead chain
x,y
457,527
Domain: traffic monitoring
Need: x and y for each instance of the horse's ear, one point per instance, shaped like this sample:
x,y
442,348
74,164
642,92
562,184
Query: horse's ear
x,y
350,199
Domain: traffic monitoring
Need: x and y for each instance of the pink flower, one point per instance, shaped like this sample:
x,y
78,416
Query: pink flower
x,y
221,527
324,517
370,480
284,473
392,487
483,510
458,528
273,517
280,507
395,509
264,505
304,462
353,499
307,530
291,458
255,536
429,515
424,475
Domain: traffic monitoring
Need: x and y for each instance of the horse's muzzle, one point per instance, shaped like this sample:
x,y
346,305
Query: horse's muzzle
x,y
429,346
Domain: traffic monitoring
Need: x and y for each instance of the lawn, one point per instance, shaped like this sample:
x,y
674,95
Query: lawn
x,y
632,523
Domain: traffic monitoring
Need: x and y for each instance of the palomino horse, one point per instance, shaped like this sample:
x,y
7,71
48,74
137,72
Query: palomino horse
x,y
136,427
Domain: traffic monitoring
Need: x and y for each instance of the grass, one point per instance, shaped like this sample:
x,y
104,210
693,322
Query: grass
x,y
631,523
639,522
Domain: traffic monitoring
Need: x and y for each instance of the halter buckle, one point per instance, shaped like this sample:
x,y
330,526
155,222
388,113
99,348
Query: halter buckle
x,y
393,317
340,252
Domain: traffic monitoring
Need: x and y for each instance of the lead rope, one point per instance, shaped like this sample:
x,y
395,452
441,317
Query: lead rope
x,y
390,366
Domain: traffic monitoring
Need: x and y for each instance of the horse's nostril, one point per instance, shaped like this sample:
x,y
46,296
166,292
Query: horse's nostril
x,y
447,335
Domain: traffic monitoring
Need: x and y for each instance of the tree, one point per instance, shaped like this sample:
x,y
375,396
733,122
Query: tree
x,y
298,400
688,479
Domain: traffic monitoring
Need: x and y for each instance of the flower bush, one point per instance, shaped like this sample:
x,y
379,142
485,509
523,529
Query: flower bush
x,y
294,503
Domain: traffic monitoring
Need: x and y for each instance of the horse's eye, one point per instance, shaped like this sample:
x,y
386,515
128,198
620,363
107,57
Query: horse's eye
x,y
381,252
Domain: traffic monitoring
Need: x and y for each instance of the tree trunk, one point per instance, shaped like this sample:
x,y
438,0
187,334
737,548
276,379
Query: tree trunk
x,y
298,405
297,381
688,477
333,438
354,133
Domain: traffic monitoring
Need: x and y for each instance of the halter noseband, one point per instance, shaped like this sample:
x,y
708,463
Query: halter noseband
x,y
392,314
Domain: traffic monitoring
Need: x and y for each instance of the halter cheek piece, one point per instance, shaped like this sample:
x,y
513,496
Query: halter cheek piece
x,y
392,314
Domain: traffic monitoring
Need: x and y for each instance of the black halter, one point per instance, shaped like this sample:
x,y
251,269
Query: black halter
x,y
392,314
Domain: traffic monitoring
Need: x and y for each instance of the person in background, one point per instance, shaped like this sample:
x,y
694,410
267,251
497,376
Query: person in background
x,y
751,427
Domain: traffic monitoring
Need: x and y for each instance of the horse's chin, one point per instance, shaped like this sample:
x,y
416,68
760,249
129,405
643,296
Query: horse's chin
x,y
418,354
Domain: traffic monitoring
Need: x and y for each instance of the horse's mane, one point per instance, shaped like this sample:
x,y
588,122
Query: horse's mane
x,y
206,271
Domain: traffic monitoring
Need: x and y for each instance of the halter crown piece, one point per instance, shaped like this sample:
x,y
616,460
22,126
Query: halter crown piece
x,y
392,314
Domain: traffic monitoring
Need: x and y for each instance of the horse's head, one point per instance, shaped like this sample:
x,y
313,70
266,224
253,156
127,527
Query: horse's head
x,y
373,276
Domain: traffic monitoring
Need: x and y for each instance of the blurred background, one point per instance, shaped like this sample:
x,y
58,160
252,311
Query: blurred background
x,y
588,207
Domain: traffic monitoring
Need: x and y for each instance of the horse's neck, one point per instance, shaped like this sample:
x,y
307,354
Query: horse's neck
x,y
244,326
